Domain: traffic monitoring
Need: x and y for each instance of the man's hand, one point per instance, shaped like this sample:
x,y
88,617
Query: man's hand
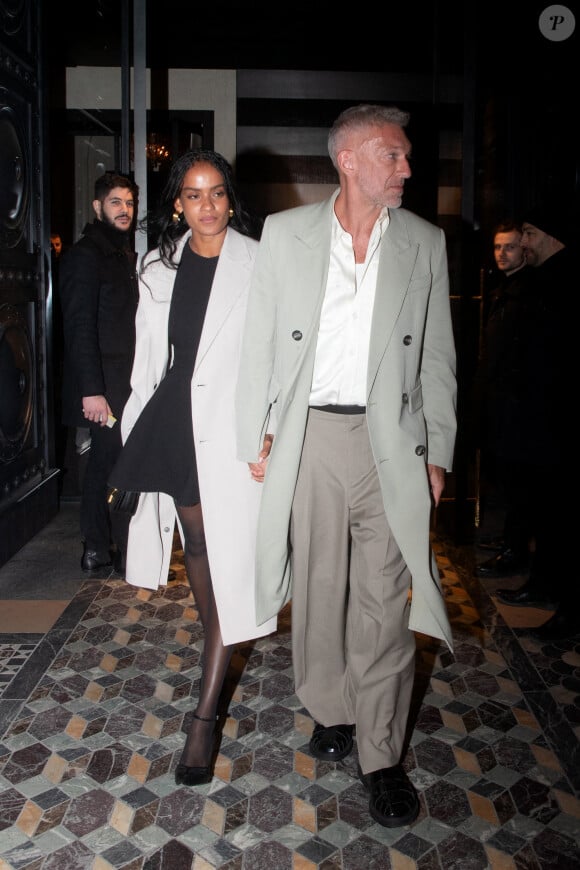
x,y
437,481
258,469
96,409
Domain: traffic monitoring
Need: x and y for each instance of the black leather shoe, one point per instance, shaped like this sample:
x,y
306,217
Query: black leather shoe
x,y
331,744
393,800
560,626
503,565
526,596
93,561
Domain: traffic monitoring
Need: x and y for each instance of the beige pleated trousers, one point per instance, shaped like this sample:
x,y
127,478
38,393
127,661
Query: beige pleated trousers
x,y
353,653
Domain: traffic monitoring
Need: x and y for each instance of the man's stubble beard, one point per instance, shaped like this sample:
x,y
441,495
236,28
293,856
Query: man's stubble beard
x,y
111,223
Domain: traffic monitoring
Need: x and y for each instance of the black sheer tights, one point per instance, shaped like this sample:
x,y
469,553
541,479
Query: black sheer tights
x,y
216,656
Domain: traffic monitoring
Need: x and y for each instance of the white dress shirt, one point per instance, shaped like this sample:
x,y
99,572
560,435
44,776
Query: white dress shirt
x,y
342,350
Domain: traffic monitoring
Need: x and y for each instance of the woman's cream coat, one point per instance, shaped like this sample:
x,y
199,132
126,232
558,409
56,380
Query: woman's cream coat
x,y
229,497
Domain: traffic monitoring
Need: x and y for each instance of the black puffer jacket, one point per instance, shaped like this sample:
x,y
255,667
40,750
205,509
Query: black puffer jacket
x,y
99,295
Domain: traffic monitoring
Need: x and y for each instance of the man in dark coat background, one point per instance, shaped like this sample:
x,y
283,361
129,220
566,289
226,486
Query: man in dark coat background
x,y
99,295
498,388
541,440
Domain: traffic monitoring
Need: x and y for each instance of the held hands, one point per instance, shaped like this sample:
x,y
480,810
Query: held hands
x,y
96,409
436,481
258,469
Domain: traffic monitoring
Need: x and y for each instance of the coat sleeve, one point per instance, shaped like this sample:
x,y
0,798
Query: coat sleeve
x,y
438,364
151,356
80,281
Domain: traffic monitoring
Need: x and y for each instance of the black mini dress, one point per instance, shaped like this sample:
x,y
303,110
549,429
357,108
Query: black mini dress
x,y
159,454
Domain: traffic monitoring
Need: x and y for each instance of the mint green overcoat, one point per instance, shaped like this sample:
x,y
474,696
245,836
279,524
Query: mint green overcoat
x,y
411,388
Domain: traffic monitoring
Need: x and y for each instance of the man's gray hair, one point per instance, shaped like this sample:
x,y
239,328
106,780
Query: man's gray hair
x,y
359,117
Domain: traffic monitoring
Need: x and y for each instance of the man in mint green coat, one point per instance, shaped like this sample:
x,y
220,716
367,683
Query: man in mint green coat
x,y
348,361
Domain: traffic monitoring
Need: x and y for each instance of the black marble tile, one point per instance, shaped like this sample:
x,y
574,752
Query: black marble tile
x,y
180,810
172,856
267,855
11,804
463,851
366,852
435,756
316,850
270,809
447,803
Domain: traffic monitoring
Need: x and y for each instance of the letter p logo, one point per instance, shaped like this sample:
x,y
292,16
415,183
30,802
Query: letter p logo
x,y
557,23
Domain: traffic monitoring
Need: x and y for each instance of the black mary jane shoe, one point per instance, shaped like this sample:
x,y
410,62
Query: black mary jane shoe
x,y
393,800
331,744
190,775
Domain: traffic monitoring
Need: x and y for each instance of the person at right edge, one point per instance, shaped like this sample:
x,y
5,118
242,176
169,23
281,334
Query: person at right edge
x,y
546,338
497,389
348,361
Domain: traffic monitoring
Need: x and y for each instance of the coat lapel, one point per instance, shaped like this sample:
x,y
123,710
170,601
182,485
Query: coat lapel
x,y
398,257
309,275
231,279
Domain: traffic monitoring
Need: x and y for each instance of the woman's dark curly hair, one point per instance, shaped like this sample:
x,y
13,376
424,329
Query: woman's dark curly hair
x,y
160,224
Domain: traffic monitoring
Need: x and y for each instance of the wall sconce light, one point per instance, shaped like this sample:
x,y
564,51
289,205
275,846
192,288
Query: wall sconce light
x,y
157,152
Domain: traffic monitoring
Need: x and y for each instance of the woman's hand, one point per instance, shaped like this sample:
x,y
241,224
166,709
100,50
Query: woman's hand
x,y
258,469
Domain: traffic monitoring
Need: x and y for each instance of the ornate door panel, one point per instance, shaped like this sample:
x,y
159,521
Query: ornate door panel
x,y
28,483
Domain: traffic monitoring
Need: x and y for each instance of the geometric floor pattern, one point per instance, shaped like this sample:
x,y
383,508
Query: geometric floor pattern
x,y
92,722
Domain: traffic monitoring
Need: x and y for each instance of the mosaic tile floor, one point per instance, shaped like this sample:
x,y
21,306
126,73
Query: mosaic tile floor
x,y
92,715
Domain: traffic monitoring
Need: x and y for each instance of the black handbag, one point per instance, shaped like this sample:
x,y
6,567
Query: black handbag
x,y
123,501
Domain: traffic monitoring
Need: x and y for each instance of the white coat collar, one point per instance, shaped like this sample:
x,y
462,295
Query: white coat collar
x,y
159,279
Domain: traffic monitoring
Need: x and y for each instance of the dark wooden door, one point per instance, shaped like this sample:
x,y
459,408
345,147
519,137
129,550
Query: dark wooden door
x,y
28,480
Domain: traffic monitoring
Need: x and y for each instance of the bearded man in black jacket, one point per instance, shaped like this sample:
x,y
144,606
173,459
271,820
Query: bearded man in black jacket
x,y
99,296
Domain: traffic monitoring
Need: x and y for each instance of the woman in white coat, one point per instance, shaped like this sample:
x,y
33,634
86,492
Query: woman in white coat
x,y
178,425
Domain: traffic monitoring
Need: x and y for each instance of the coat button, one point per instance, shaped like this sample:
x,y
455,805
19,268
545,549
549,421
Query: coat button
x,y
407,340
405,398
419,450
297,335
166,529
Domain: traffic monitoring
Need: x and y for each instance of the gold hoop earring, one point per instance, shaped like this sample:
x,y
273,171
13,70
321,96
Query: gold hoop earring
x,y
231,212
176,217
